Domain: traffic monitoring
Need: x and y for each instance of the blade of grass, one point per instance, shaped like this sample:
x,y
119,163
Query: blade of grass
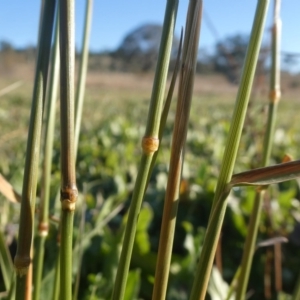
x,y
188,69
43,226
69,191
149,146
267,175
23,259
219,204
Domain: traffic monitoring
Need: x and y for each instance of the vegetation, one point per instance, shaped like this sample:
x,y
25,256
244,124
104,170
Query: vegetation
x,y
144,216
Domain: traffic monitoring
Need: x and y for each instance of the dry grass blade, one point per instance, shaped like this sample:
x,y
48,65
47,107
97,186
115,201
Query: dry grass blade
x,y
180,131
8,191
268,175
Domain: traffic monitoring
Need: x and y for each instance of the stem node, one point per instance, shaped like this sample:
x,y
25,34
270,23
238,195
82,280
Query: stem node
x,y
150,144
68,198
274,95
22,264
43,228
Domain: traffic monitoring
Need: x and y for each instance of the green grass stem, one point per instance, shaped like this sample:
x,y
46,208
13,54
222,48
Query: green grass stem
x,y
56,285
22,259
219,203
82,71
180,131
43,226
149,145
255,217
69,191
78,115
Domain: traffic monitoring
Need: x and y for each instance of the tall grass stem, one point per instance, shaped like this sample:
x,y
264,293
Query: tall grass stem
x,y
69,191
219,203
274,96
22,259
43,226
82,71
149,146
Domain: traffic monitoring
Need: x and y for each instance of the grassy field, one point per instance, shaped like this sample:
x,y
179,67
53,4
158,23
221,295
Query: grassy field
x,y
114,120
110,94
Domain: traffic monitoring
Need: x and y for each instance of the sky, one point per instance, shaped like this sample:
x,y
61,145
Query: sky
x,y
113,19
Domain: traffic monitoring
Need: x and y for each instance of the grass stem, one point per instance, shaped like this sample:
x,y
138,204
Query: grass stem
x,y
219,204
43,226
69,191
22,259
82,71
255,217
149,146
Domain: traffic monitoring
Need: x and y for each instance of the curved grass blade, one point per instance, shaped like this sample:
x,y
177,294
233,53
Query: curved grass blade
x,y
267,175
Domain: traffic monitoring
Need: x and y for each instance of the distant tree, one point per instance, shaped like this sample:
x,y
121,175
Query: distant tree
x,y
139,49
6,46
230,56
205,64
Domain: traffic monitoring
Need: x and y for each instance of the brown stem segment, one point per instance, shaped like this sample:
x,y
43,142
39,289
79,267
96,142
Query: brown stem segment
x,y
69,197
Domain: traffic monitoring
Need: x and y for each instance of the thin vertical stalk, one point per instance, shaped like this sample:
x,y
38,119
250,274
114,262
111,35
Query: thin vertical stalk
x,y
249,247
80,251
82,71
274,96
78,115
22,259
69,191
149,145
43,226
220,203
56,283
190,51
